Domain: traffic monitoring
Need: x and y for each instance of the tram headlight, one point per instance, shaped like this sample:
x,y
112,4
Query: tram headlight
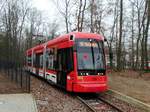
x,y
68,77
80,77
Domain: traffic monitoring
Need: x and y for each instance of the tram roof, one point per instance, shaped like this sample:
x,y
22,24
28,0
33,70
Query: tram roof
x,y
65,37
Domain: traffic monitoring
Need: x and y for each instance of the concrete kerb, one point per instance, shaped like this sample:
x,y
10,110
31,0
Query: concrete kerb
x,y
143,106
35,104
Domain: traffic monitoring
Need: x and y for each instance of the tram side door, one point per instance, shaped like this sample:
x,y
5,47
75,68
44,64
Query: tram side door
x,y
61,68
37,64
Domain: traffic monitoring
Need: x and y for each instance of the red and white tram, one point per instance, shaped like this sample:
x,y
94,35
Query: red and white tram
x,y
147,67
75,61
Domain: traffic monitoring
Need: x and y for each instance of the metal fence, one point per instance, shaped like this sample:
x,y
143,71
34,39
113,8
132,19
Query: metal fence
x,y
17,74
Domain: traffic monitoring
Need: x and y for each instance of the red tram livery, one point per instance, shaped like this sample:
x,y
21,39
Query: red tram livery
x,y
75,61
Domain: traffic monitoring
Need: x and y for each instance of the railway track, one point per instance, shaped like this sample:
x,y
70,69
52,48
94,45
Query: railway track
x,y
98,104
93,101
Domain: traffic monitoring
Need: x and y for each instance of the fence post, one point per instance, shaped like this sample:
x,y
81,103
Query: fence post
x,y
29,79
17,74
21,78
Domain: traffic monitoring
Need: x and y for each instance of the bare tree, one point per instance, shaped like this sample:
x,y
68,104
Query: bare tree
x,y
64,8
139,7
92,6
132,37
52,30
3,3
82,6
35,22
147,31
112,33
13,19
145,24
119,50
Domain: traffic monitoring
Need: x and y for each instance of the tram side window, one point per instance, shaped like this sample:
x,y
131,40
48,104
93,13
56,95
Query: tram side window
x,y
67,59
29,60
50,58
34,60
41,61
69,54
38,60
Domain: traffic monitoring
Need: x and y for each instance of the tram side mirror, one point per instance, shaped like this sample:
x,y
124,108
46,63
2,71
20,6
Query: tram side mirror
x,y
72,37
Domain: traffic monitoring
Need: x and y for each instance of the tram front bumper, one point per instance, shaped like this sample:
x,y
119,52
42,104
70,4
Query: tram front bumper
x,y
89,87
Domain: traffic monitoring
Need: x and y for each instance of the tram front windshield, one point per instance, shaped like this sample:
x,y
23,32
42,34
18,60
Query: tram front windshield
x,y
90,54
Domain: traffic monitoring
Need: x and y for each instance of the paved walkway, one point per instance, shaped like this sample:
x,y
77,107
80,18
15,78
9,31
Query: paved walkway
x,y
17,103
13,98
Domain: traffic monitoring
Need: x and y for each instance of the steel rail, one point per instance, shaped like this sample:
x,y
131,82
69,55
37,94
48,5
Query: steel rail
x,y
111,104
91,107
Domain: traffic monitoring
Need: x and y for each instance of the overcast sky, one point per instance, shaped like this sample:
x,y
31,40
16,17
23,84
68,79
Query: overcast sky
x,y
51,13
47,7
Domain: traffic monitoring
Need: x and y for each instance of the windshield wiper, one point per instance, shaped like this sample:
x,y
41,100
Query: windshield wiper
x,y
92,55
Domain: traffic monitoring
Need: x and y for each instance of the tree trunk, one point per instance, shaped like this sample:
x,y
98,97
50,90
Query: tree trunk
x,y
119,66
146,32
92,13
66,16
132,39
79,16
82,19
